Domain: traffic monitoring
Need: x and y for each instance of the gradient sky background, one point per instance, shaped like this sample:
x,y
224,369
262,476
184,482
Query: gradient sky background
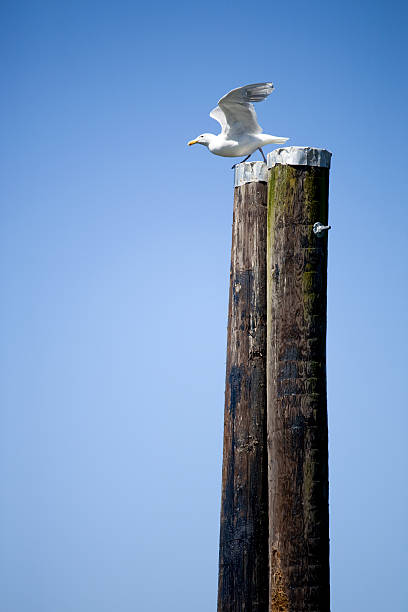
x,y
115,246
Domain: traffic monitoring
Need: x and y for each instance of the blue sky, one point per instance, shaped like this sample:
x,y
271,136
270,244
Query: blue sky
x,y
115,240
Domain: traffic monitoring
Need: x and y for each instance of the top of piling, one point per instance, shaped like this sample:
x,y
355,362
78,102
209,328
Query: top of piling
x,y
299,156
250,172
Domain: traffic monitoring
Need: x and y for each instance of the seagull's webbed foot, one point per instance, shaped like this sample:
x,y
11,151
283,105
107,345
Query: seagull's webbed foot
x,y
241,162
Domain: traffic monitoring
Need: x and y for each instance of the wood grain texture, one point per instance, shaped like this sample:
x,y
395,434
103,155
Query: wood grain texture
x,y
296,388
243,565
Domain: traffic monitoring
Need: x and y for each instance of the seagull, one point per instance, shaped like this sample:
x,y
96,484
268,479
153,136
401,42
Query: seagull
x,y
241,133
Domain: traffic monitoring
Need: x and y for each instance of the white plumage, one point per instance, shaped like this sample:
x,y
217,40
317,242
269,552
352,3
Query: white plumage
x,y
241,133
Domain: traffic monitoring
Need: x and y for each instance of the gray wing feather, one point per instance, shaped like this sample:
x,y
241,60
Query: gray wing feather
x,y
239,113
219,116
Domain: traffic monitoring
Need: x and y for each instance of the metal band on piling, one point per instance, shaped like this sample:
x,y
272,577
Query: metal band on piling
x,y
299,156
250,172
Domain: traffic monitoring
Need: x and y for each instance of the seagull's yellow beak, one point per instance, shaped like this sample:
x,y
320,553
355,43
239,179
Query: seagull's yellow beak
x,y
192,142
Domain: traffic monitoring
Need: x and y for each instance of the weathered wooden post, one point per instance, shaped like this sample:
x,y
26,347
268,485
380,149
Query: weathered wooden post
x,y
296,380
243,567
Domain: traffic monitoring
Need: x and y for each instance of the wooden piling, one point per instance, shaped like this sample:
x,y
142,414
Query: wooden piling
x,y
296,381
243,563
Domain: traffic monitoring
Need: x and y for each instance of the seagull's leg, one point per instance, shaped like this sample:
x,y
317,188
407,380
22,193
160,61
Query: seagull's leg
x,y
262,153
241,162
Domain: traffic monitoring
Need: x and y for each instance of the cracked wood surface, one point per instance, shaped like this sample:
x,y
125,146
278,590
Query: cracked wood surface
x,y
243,563
296,387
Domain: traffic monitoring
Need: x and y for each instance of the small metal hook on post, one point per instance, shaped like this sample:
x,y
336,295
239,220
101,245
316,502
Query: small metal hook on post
x,y
319,229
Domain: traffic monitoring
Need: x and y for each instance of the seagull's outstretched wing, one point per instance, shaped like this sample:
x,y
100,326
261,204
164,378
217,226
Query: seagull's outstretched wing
x,y
219,116
235,112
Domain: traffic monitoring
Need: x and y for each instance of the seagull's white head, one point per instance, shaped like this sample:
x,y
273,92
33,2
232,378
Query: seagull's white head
x,y
203,139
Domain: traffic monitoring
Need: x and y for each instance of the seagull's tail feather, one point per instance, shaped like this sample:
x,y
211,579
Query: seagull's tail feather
x,y
274,139
278,140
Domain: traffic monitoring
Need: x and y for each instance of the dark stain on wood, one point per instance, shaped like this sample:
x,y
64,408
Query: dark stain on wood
x,y
297,405
234,379
243,566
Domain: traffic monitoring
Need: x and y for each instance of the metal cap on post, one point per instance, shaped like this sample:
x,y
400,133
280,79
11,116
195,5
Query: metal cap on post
x,y
243,567
250,172
296,379
299,156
